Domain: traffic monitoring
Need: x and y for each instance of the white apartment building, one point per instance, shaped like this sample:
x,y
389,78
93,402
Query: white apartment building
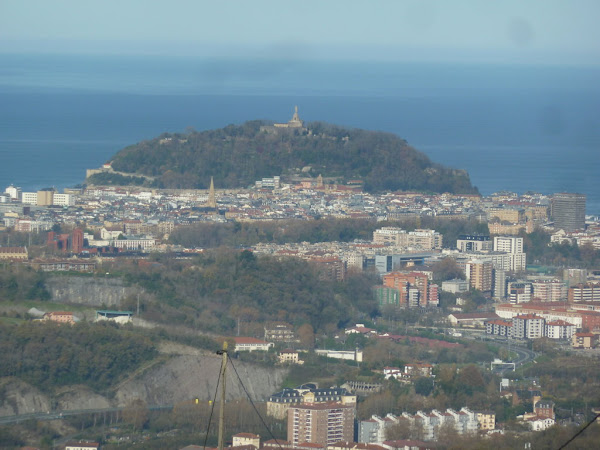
x,y
519,292
528,326
63,200
133,244
455,286
474,243
549,290
423,239
559,329
29,198
508,244
508,311
13,192
510,262
464,421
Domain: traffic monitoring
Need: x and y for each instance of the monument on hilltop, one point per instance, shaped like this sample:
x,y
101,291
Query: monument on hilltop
x,y
295,124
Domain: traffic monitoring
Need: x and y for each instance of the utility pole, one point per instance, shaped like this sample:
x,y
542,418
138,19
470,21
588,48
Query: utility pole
x,y
222,410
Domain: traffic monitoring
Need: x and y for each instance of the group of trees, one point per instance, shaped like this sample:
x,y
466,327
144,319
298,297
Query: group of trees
x,y
238,155
210,235
224,288
540,250
22,283
48,355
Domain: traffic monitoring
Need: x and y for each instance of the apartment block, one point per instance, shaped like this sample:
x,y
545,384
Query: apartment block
x,y
479,275
589,292
549,291
474,243
324,424
528,326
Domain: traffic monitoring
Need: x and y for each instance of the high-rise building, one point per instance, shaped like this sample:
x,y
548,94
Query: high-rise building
x,y
498,284
324,424
479,275
513,246
568,211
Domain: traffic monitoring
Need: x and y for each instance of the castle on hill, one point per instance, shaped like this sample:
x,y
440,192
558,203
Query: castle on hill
x,y
295,124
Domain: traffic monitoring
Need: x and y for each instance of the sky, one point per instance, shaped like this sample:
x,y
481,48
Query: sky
x,y
545,31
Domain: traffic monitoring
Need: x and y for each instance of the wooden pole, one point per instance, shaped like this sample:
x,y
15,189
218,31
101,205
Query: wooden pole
x,y
222,410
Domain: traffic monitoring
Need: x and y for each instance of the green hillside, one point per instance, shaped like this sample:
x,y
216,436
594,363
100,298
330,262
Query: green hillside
x,y
236,156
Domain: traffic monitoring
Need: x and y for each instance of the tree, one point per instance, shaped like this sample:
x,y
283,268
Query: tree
x,y
470,379
447,434
398,431
306,334
447,269
417,431
136,414
424,386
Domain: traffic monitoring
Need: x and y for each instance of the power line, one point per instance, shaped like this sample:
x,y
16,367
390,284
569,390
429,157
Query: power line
x,y
252,403
579,432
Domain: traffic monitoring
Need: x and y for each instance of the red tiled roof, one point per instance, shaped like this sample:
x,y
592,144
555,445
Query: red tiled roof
x,y
528,316
559,323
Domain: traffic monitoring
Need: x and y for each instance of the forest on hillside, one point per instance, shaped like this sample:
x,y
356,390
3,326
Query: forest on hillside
x,y
223,289
49,354
238,155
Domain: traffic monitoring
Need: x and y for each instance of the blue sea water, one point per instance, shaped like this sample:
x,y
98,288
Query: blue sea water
x,y
519,128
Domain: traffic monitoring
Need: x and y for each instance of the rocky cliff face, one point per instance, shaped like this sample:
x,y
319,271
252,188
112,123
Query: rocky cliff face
x,y
180,378
18,397
92,291
186,377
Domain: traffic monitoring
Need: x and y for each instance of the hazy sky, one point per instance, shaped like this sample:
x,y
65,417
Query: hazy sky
x,y
508,30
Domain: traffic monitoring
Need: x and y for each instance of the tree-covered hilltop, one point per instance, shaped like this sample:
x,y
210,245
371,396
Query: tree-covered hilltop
x,y
236,156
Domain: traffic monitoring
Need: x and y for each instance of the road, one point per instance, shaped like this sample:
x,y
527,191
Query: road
x,y
524,355
54,415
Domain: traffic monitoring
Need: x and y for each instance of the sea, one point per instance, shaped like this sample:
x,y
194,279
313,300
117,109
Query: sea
x,y
512,127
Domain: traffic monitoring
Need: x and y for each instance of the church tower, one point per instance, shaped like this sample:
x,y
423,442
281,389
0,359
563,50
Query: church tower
x,y
295,122
212,202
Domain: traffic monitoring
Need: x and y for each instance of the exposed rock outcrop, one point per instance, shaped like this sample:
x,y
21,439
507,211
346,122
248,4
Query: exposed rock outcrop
x,y
18,397
92,291
180,378
186,377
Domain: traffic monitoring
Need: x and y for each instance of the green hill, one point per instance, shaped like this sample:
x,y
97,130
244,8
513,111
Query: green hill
x,y
236,156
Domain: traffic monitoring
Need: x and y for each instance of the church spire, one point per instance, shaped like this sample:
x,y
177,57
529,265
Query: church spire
x,y
212,202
